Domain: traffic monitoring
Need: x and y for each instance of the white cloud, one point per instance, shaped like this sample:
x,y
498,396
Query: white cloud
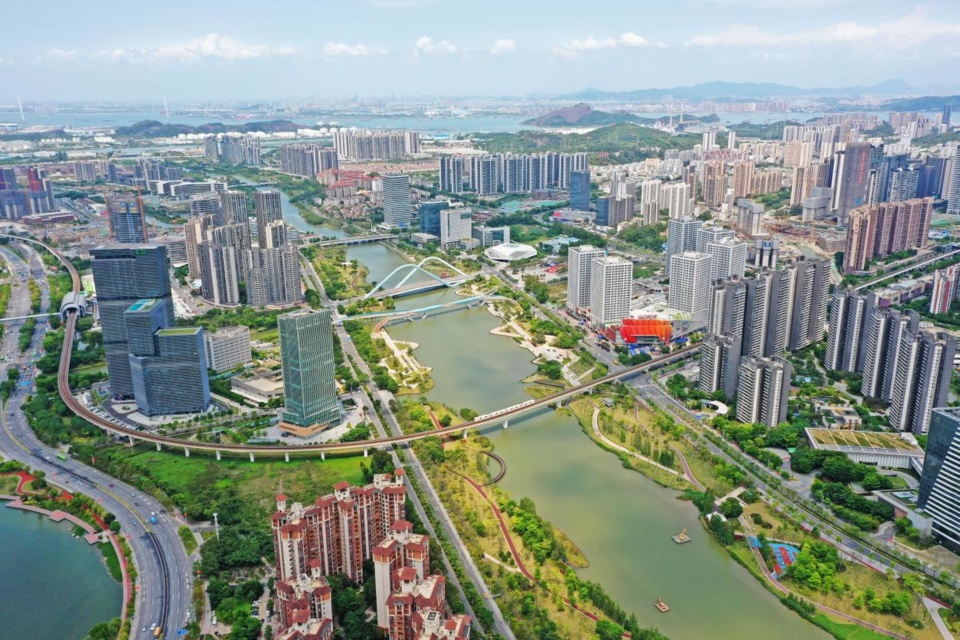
x,y
900,35
575,47
61,54
212,46
503,45
343,49
426,46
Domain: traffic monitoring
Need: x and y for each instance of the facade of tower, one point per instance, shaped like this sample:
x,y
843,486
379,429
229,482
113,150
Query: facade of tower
x,y
396,200
580,275
128,222
611,287
309,386
681,236
690,274
123,276
267,206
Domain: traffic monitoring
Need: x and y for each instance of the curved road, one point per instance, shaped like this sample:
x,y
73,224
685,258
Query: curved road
x,y
164,583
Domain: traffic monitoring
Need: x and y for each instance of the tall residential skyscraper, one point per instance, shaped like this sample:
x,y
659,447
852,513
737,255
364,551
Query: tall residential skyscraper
x,y
309,386
219,273
195,232
451,174
677,199
743,179
307,160
714,183
580,190
267,205
921,380
128,222
763,390
611,288
579,275
396,200
851,177
879,230
681,236
849,314
729,256
953,194
273,275
207,204
690,274
234,206
940,480
944,289
123,276
711,232
812,290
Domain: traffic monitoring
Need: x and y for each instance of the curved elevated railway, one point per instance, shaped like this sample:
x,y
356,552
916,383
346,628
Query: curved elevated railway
x,y
75,405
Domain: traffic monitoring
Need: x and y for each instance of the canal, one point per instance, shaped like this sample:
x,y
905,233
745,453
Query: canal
x,y
621,520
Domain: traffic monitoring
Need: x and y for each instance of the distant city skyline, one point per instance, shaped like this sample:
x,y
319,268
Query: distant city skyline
x,y
341,48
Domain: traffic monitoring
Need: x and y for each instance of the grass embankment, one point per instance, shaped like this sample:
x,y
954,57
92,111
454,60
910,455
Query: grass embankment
x,y
188,539
625,430
111,560
9,484
342,279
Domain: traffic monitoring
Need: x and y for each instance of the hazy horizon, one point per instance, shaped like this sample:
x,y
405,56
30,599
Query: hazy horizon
x,y
449,48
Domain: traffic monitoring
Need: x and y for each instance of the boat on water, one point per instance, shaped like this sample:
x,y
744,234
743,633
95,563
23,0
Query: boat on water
x,y
661,605
681,537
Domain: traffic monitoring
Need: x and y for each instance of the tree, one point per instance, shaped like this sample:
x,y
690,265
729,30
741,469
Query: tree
x,y
607,630
731,508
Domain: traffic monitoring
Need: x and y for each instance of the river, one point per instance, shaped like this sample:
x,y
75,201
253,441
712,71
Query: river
x,y
621,520
53,585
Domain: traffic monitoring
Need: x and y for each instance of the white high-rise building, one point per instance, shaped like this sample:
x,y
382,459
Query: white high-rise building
x,y
611,284
648,198
396,200
456,225
690,274
579,269
729,257
681,236
953,198
451,174
675,198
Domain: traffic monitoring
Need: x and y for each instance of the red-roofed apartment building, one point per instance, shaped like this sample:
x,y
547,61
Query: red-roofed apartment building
x,y
339,530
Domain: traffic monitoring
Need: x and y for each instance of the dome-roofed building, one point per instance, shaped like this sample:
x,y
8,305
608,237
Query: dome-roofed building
x,y
510,252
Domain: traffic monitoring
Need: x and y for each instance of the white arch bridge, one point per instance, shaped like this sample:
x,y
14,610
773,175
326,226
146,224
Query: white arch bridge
x,y
417,279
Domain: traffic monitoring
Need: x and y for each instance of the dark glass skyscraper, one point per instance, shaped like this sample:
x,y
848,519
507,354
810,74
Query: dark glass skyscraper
x,y
123,276
309,387
580,190
940,481
429,215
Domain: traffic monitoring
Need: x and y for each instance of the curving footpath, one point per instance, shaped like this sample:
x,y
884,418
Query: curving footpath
x,y
613,445
521,567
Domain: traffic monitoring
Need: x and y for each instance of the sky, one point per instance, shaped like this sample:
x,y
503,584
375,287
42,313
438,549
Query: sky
x,y
276,50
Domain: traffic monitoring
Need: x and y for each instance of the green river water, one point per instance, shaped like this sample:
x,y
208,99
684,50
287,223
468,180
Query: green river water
x,y
621,520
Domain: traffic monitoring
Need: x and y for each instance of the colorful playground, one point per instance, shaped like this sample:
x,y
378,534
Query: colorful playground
x,y
783,554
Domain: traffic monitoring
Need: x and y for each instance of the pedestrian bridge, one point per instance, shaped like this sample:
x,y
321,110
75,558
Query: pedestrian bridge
x,y
413,278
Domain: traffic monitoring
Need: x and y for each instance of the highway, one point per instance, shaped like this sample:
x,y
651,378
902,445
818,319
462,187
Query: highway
x,y
161,562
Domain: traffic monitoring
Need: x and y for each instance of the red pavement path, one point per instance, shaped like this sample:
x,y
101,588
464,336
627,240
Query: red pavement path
x,y
780,587
513,549
124,568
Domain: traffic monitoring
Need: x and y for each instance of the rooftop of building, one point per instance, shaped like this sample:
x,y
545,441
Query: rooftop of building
x,y
864,442
179,331
143,305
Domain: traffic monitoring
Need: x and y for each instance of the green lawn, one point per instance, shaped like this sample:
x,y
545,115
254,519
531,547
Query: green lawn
x,y
302,479
846,631
8,484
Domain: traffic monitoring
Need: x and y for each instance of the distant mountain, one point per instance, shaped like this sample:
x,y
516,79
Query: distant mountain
x,y
580,114
738,90
923,103
157,129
